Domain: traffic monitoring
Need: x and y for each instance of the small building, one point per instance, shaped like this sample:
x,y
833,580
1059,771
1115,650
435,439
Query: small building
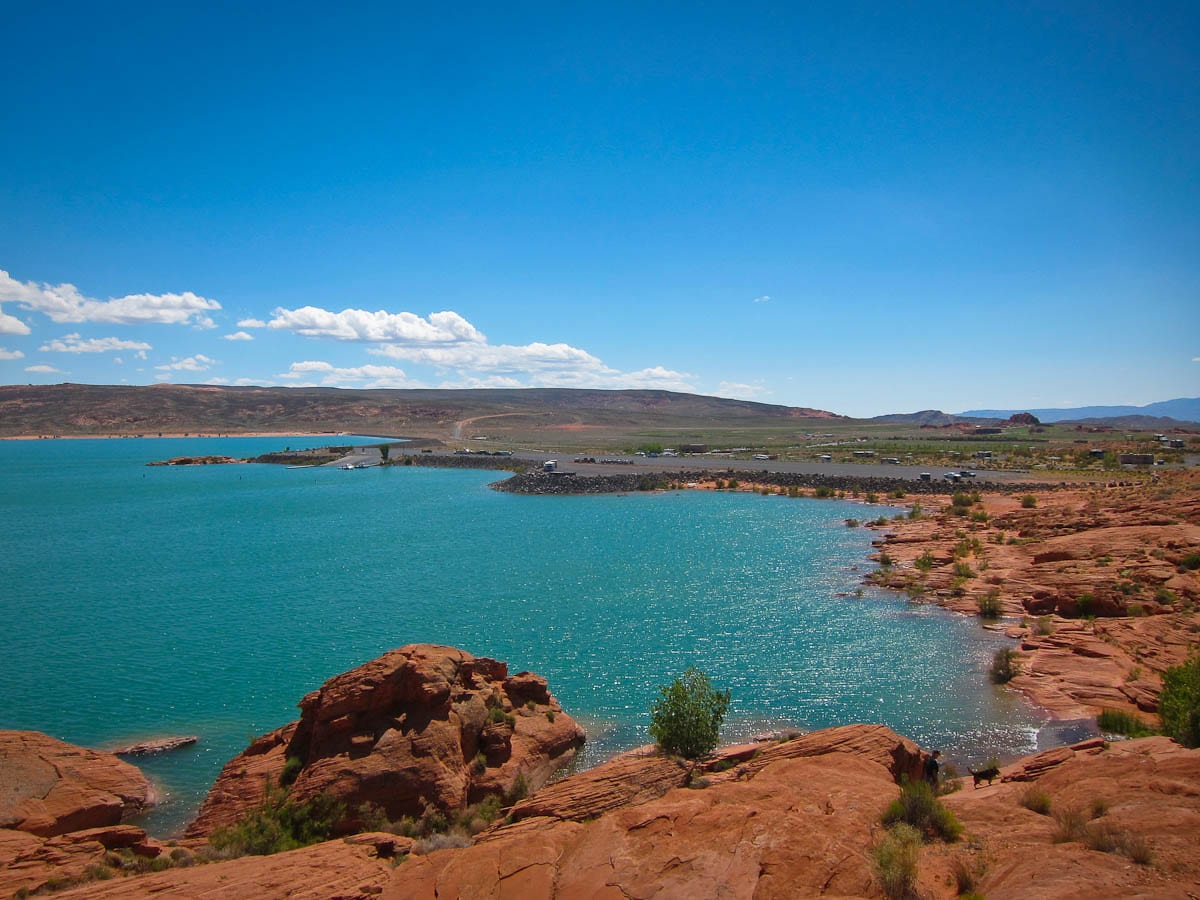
x,y
1137,459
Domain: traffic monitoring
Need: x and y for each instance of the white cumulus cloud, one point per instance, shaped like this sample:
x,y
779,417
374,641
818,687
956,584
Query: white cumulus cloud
x,y
239,336
73,343
43,369
736,390
319,373
197,363
252,323
64,303
11,354
765,298
376,327
11,324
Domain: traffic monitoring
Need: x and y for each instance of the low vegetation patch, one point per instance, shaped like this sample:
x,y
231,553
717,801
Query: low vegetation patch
x,y
1069,825
1179,703
918,807
989,605
1035,800
895,862
1105,837
1115,721
279,823
1004,666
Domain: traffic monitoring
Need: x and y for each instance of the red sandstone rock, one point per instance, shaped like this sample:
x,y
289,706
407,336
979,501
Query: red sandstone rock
x,y
798,828
334,869
403,732
49,787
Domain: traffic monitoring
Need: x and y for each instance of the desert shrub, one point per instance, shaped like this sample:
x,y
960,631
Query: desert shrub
x,y
916,512
967,871
1106,837
823,492
549,715
897,494
279,823
1190,562
686,718
434,842
1004,666
497,714
98,872
1179,702
1029,501
871,497
852,523
917,806
371,817
924,562
519,790
979,515
1043,626
1069,825
895,862
1115,721
1099,807
963,569
1036,800
989,605
291,769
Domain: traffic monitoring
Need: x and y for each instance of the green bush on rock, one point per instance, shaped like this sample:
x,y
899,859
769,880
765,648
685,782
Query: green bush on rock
x,y
686,718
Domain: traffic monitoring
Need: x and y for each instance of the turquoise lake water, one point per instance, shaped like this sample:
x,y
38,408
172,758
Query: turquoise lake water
x,y
142,602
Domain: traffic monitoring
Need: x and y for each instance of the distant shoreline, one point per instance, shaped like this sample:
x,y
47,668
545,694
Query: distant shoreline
x,y
182,434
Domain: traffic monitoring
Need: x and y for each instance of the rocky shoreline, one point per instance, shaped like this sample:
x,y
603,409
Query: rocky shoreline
x,y
1092,583
795,815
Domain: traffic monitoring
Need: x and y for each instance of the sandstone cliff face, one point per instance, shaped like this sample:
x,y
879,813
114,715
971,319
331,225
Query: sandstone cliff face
x,y
422,726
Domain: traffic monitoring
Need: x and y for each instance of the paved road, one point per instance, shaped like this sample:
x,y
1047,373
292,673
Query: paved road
x,y
566,463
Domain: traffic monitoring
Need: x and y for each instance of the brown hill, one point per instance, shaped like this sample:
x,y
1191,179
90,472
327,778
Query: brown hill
x,y
86,409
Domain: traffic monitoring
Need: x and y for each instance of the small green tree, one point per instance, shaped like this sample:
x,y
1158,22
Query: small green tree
x,y
1179,702
686,718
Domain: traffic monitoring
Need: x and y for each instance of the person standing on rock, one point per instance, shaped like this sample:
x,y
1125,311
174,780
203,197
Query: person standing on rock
x,y
931,768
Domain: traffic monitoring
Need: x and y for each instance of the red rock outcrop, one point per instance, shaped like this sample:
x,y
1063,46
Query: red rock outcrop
x,y
1141,795
1115,554
334,869
796,818
48,787
420,727
798,828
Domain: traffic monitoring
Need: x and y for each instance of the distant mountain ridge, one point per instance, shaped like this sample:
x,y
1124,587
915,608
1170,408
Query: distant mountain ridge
x,y
1184,409
171,408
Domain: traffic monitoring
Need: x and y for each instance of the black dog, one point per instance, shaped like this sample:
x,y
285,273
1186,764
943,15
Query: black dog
x,y
985,775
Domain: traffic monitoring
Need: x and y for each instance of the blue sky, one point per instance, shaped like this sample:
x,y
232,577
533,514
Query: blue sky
x,y
862,208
